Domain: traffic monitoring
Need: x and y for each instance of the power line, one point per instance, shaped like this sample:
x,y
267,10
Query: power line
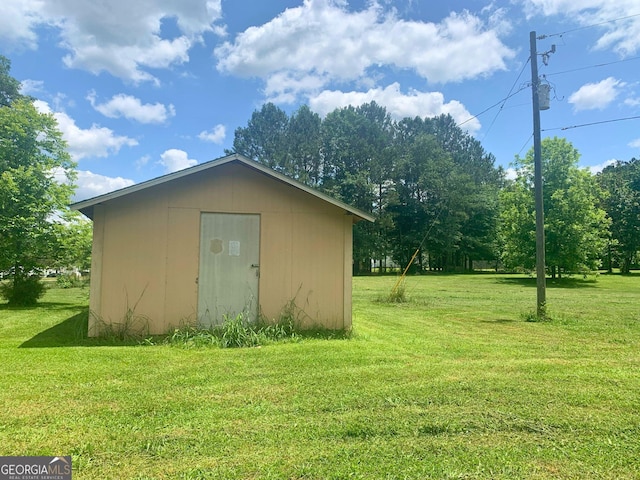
x,y
495,104
541,37
592,66
518,105
507,98
592,123
525,144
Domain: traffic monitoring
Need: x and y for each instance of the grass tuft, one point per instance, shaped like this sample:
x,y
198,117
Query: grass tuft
x,y
132,326
398,293
234,332
538,315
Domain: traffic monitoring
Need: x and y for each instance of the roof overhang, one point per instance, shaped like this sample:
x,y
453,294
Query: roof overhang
x,y
86,206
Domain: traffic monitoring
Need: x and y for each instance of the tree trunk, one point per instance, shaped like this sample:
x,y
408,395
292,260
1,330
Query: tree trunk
x,y
626,265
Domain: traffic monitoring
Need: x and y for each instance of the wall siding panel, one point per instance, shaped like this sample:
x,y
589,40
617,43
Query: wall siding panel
x,y
149,242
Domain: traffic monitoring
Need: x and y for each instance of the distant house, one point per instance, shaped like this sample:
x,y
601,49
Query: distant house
x,y
223,237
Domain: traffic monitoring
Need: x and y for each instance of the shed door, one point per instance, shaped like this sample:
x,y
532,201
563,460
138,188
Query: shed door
x,y
229,266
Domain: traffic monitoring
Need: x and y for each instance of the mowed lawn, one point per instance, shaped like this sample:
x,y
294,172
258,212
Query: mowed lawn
x,y
453,384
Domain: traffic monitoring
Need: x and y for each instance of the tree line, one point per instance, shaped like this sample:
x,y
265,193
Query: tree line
x,y
428,183
434,189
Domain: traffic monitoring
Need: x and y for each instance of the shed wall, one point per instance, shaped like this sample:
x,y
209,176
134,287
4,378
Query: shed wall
x,y
146,248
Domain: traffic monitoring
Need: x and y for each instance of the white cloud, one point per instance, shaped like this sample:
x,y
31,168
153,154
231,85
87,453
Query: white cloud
x,y
142,161
635,143
132,108
622,36
126,64
92,184
121,37
28,87
632,101
284,87
596,96
216,135
511,173
399,105
594,169
173,160
18,20
91,142
322,39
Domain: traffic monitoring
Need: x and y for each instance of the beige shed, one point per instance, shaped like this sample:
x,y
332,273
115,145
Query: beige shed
x,y
223,237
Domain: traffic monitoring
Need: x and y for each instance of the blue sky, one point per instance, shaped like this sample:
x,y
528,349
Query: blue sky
x,y
148,87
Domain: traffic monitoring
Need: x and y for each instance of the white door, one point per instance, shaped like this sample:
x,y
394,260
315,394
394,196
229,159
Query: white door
x,y
229,267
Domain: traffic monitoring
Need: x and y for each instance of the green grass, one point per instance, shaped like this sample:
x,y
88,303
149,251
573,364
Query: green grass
x,y
452,384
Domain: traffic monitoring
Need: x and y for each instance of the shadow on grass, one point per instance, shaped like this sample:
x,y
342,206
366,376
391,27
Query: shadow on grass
x,y
72,332
68,333
500,320
570,282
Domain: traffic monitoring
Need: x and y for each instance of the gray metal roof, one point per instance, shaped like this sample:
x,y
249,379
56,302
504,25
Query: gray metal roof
x,y
86,206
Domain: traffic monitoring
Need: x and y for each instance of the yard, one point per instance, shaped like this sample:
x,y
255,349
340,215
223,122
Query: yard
x,y
453,384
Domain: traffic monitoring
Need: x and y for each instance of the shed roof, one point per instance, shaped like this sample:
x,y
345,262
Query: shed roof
x,y
86,206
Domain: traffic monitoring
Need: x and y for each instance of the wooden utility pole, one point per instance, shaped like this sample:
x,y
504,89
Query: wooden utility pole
x,y
537,162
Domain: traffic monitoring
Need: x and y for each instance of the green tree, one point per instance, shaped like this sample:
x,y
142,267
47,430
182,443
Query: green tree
x,y
264,138
377,128
32,157
289,145
303,160
464,216
479,186
421,201
355,148
74,237
360,156
518,225
9,86
622,183
575,225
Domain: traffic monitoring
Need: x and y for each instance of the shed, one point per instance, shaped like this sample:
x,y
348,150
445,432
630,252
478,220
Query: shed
x,y
226,236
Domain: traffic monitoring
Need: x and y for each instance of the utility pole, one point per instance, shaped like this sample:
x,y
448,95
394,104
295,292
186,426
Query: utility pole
x,y
537,163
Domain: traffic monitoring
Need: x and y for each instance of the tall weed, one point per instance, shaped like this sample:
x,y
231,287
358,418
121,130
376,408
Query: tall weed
x,y
234,332
132,326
